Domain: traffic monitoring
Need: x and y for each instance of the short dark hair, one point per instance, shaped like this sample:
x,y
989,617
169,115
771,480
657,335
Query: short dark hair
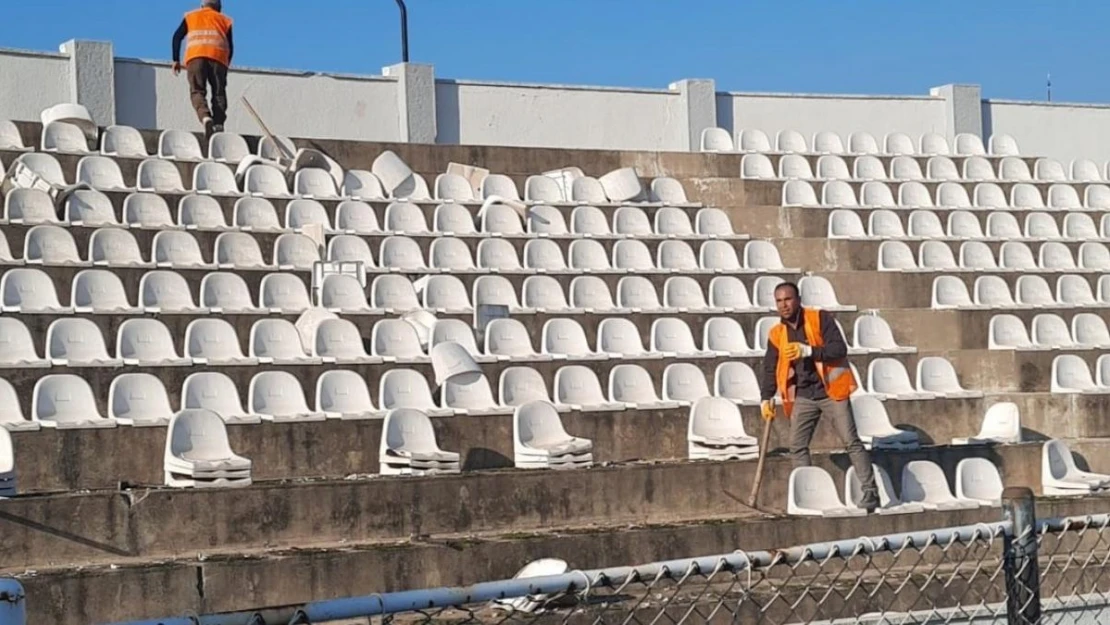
x,y
789,285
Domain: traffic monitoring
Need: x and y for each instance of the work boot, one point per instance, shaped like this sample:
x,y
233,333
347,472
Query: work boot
x,y
217,128
869,501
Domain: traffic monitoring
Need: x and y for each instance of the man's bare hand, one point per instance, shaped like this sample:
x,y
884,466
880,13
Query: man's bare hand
x,y
176,69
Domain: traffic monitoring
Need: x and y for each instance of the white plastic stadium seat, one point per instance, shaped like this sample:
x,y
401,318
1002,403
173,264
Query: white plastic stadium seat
x,y
905,168
725,337
166,292
508,339
449,219
790,141
359,184
937,376
846,224
952,195
1070,374
869,168
100,172
314,183
179,145
860,142
177,249
799,193
1074,290
1060,476
494,290
1001,424
228,147
632,386
120,141
941,168
408,446
272,149
588,190
224,293
590,293
1033,291
969,144
936,255
1014,169
1064,197
716,140
1051,331
576,387
684,382
978,168
339,341
214,178
295,252
753,140
993,292
990,195
540,441
838,193
29,206
50,245
1004,145
405,388
390,293
933,143
964,224
543,293
812,492
1008,332
874,426
453,188
1049,170
887,377
737,382
1003,225
147,343
1081,227
18,346
672,221
200,212
63,137
757,167
215,391
214,342
278,397
1025,196
925,224
832,167
565,337
139,400
914,194
66,401
977,479
793,166
886,224
115,247
283,293
549,221
668,191
344,395
1041,225
1016,255
827,142
265,181
716,432
950,292
1089,331
100,291
198,454
924,482
898,143
543,189
872,333
1084,170
277,341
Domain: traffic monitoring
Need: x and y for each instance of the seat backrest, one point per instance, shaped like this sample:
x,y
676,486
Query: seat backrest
x,y
497,254
216,178
344,392
1050,330
200,211
450,253
905,168
86,207
795,166
404,388
500,219
590,292
933,143
888,376
832,167
395,338
494,290
360,184
1064,196
895,255
179,145
227,147
937,375
284,291
394,292
670,334
949,292
50,245
977,255
969,144
60,136
276,393
941,168
275,338
576,384
543,292
177,249
63,398
716,140
30,206
546,220
925,224
683,292
225,291
295,251
453,219
618,335
632,254
990,195
683,381
675,254
978,168
508,337
1016,255
564,336
838,193
338,338
114,246
1073,290
453,187
140,397
213,391
99,290
953,195
543,254
993,291
964,224
914,194
799,193
214,339
445,292
314,183
637,292
301,213
1013,169
100,172
76,340
724,334
500,185
265,180
588,254
1033,290
673,221
756,166
350,248
588,189
1007,331
1049,170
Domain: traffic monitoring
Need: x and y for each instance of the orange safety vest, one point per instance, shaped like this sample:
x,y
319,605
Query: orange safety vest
x,y
207,36
835,375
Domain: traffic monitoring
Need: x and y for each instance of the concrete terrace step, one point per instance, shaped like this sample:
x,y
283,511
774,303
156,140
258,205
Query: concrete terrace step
x,y
281,576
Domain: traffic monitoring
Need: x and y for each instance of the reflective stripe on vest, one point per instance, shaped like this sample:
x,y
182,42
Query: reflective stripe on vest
x,y
837,385
207,36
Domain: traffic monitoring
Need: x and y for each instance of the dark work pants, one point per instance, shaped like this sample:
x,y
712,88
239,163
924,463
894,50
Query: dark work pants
x,y
205,74
803,422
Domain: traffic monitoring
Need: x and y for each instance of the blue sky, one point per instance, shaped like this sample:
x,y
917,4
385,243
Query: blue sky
x,y
818,46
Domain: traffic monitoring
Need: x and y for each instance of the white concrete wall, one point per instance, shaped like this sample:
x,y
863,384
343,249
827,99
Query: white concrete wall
x,y
31,82
474,113
323,106
809,113
1060,131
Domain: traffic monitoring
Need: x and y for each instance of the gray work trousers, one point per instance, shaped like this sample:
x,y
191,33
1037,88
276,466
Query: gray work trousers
x,y
803,422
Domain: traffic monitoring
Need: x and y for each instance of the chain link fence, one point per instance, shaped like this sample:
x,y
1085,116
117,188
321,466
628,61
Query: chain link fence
x,y
1017,571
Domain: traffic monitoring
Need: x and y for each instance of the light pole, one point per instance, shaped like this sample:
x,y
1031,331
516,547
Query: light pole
x,y
404,31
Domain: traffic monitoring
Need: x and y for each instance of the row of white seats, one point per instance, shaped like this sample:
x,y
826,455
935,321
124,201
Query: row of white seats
x,y
265,180
904,168
859,142
1070,374
77,342
1048,331
935,255
117,247
31,290
993,292
812,492
961,224
986,196
142,210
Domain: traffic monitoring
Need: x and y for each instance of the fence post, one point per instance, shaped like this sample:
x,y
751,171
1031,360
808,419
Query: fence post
x,y
13,608
1023,578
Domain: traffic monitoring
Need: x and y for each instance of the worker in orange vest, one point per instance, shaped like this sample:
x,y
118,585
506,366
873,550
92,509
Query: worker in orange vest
x,y
208,51
806,364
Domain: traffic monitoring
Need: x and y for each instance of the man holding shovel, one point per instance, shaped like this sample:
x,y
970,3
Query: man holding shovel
x,y
807,365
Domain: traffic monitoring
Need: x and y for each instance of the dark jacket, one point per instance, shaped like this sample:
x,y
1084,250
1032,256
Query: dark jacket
x,y
809,383
179,38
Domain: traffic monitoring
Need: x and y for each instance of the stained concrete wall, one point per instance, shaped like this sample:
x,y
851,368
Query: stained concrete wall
x,y
30,82
844,114
325,106
1061,131
559,116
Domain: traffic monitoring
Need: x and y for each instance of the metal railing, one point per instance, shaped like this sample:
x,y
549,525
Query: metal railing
x,y
1016,571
